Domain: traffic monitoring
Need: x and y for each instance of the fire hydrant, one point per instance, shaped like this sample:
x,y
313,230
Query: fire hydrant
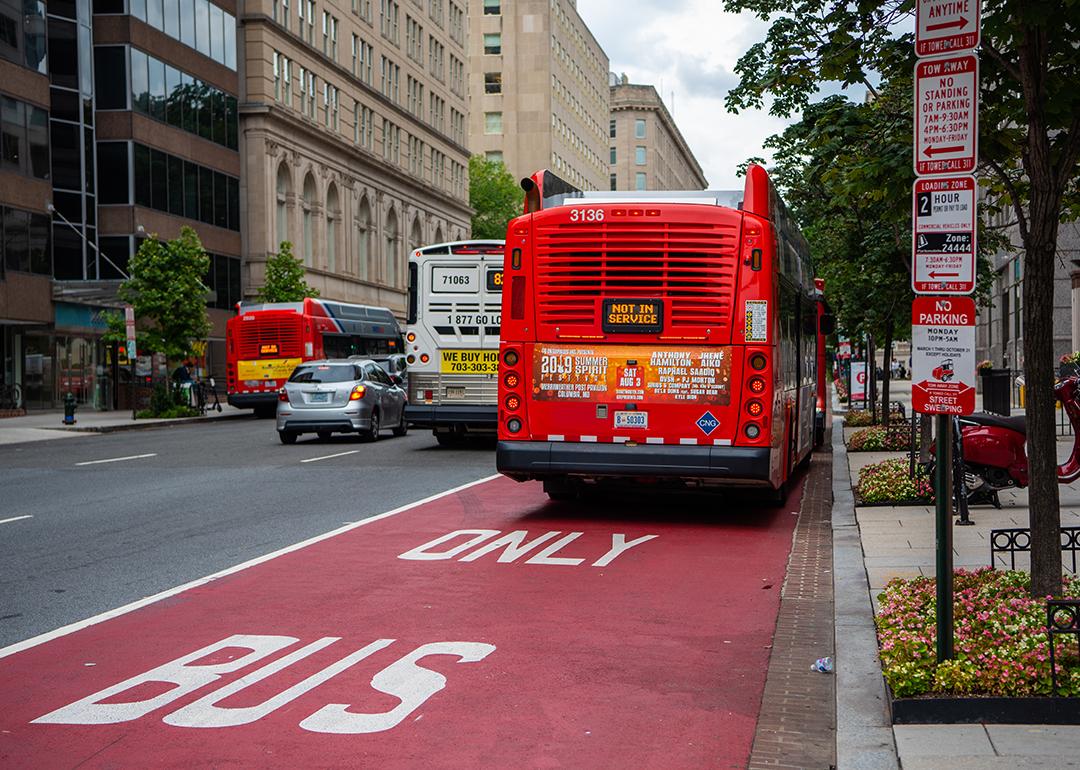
x,y
69,409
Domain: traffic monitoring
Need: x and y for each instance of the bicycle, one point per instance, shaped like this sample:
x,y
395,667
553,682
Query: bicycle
x,y
202,391
10,396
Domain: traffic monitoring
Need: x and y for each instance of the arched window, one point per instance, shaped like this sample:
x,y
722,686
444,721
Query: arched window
x,y
363,240
390,237
438,234
416,237
309,232
284,187
333,218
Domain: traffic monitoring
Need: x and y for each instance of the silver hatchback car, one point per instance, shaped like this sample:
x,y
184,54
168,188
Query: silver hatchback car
x,y
335,396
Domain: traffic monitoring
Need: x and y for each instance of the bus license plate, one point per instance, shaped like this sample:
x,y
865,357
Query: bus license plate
x,y
631,419
455,392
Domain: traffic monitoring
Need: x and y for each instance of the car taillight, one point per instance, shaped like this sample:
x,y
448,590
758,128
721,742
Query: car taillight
x,y
283,395
357,393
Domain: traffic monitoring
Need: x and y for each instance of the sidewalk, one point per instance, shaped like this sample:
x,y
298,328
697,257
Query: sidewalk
x,y
48,425
871,545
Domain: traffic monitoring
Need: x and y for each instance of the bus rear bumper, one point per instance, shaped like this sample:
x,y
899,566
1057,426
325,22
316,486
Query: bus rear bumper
x,y
474,416
251,400
544,459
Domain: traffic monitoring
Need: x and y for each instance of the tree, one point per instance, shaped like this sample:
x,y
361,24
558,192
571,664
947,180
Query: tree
x,y
1029,149
494,195
285,278
168,295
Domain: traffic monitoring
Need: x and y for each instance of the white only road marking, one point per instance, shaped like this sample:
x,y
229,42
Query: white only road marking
x,y
81,624
330,457
14,518
117,459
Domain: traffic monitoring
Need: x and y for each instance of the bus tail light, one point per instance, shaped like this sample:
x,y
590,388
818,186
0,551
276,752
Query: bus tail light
x,y
411,337
429,395
410,359
513,425
756,385
758,361
357,393
510,358
512,380
752,430
755,408
513,402
424,358
517,298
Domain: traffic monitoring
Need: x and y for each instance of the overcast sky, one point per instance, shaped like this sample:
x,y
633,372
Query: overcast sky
x,y
691,47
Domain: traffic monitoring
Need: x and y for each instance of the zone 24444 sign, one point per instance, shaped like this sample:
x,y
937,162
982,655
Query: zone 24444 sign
x,y
944,244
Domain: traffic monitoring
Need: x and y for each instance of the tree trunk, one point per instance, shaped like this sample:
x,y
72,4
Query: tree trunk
x,y
886,374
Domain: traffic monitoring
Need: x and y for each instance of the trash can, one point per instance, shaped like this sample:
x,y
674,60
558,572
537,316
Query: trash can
x,y
997,391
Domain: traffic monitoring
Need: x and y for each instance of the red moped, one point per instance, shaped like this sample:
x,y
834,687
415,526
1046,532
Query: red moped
x,y
994,452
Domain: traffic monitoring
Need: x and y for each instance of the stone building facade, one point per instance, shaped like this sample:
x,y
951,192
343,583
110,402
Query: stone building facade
x,y
353,139
647,150
538,90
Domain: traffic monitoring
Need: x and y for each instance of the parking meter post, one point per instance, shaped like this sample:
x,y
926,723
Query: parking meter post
x,y
943,507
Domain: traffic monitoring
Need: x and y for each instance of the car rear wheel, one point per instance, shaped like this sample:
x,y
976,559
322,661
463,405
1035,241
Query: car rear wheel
x,y
403,428
324,435
373,432
287,436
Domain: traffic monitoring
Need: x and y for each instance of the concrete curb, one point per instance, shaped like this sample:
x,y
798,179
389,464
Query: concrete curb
x,y
864,734
151,423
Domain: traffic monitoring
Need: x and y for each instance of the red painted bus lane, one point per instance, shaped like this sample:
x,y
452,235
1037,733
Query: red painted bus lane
x,y
485,628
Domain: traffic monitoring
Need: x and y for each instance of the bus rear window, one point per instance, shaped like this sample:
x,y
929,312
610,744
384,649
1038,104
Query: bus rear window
x,y
325,373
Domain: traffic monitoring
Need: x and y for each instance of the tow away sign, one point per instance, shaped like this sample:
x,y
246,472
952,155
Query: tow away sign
x,y
945,26
946,115
943,245
943,355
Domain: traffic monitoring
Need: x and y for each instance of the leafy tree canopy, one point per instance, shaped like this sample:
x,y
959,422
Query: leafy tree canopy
x,y
494,195
167,292
285,278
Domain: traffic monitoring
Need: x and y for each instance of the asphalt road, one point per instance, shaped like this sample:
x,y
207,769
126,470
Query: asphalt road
x,y
205,497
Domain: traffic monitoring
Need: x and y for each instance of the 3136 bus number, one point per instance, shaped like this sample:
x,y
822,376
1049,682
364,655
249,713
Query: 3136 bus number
x,y
586,215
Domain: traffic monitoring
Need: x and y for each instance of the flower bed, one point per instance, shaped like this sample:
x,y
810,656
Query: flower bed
x,y
1001,646
880,440
863,418
888,482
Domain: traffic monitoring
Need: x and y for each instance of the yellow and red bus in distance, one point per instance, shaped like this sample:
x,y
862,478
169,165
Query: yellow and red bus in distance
x,y
265,342
826,326
660,336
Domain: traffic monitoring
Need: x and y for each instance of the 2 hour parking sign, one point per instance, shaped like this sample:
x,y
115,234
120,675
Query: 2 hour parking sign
x,y
943,246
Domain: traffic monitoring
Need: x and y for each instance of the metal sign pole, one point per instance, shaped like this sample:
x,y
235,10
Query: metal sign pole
x,y
943,507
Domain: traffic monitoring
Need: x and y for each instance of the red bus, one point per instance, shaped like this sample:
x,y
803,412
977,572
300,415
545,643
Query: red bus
x,y
265,342
667,337
825,326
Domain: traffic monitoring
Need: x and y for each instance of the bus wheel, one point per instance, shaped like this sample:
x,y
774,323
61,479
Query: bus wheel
x,y
560,489
775,497
448,439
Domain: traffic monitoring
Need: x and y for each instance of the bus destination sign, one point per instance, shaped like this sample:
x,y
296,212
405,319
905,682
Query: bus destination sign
x,y
638,373
633,316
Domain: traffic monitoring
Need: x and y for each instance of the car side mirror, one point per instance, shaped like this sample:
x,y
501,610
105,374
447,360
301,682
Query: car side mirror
x,y
828,324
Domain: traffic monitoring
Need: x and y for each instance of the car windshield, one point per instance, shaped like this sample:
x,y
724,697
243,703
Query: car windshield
x,y
324,373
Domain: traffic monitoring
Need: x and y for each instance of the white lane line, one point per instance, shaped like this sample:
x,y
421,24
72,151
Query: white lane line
x,y
328,457
117,459
81,624
14,518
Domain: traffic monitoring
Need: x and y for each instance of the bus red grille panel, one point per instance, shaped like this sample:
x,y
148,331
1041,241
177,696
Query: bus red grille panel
x,y
283,332
691,266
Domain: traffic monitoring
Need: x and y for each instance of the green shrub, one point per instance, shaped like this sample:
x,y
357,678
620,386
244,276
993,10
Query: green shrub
x,y
857,419
1000,639
888,482
879,440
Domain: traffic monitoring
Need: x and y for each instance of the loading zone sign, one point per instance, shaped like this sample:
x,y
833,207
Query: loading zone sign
x,y
943,244
946,115
943,355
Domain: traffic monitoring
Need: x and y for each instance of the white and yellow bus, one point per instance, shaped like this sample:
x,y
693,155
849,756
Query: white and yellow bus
x,y
452,338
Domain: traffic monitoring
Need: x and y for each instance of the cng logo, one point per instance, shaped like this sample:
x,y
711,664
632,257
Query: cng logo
x,y
707,423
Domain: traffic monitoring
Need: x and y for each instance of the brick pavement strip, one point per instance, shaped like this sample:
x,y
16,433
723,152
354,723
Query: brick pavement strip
x,y
797,722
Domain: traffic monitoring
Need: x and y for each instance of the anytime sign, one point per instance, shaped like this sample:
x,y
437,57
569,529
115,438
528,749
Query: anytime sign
x,y
946,26
943,355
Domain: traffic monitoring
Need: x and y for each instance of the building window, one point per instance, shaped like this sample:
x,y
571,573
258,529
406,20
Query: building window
x,y
613,157
308,204
492,82
492,7
330,105
611,129
493,123
390,233
333,216
364,239
24,138
284,187
495,156
198,24
614,182
639,128
176,186
329,35
639,155
493,43
639,181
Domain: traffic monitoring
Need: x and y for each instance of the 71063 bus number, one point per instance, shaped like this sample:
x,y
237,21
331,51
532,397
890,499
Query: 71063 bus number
x,y
586,215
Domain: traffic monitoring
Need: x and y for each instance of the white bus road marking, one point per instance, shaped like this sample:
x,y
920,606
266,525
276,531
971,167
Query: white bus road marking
x,y
108,615
117,459
330,457
14,518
